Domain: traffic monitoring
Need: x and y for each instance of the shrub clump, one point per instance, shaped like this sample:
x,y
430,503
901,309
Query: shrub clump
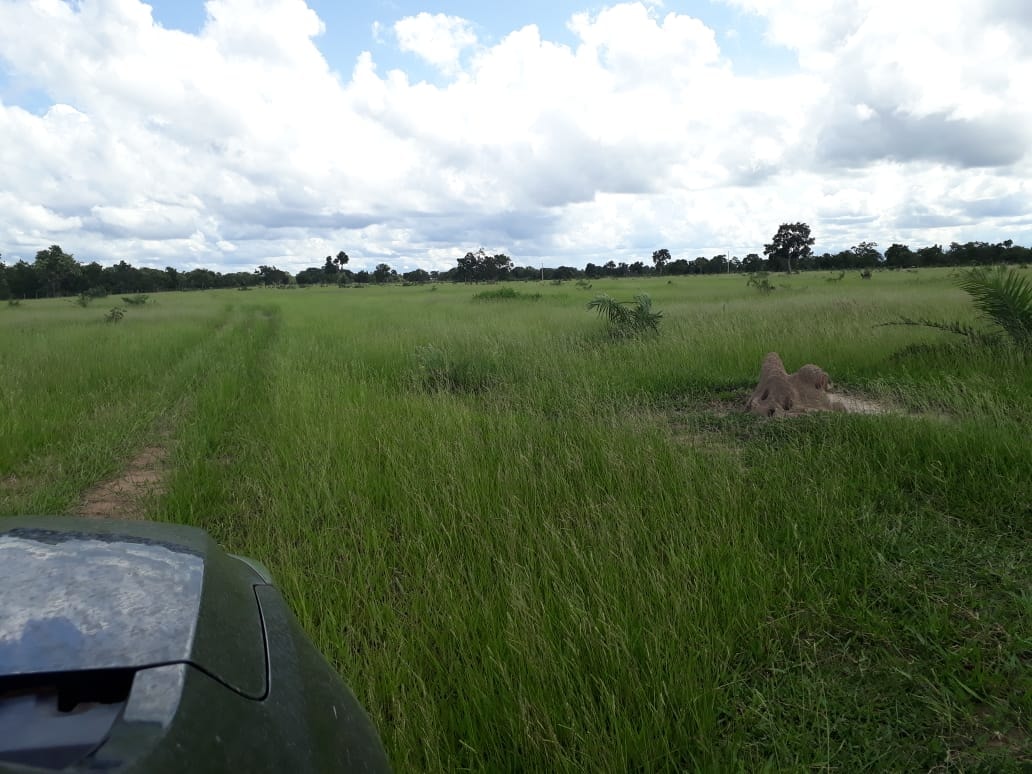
x,y
505,294
115,315
761,281
439,371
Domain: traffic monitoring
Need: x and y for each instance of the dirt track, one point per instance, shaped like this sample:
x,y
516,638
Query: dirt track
x,y
124,496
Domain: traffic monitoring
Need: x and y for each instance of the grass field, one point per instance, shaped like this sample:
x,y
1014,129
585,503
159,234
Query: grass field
x,y
527,546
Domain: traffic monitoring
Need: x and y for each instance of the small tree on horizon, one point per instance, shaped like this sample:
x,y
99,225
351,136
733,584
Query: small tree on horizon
x,y
793,241
660,259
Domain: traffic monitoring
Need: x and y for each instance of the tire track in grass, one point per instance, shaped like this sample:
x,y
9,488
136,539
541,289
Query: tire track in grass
x,y
209,486
125,495
133,492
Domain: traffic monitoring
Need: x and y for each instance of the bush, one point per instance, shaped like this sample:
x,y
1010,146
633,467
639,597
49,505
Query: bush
x,y
440,371
506,294
761,281
139,299
115,315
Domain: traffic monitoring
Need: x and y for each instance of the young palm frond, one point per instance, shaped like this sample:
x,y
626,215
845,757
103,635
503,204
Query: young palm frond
x,y
641,312
961,329
615,312
627,318
1003,297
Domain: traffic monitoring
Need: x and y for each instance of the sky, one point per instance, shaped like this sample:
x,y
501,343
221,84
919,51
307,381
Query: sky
x,y
232,133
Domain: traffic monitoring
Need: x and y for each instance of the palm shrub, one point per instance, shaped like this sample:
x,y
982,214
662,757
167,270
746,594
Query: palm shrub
x,y
627,318
1002,297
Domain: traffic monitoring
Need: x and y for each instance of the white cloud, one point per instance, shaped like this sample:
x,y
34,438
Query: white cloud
x,y
239,145
438,38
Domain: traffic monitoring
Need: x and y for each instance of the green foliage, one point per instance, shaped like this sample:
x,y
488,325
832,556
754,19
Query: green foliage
x,y
139,299
83,300
506,294
661,258
481,267
959,328
14,302
627,318
761,281
792,242
1002,297
440,371
114,315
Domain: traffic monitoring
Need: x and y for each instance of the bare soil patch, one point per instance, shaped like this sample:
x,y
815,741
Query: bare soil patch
x,y
125,495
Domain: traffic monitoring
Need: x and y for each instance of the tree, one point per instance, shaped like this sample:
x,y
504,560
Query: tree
x,y
311,276
497,267
932,255
680,266
341,260
792,242
866,254
270,275
752,263
5,290
56,269
330,267
416,275
468,269
199,279
660,258
898,256
384,273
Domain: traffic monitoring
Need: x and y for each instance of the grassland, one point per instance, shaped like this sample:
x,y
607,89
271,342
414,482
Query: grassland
x,y
529,547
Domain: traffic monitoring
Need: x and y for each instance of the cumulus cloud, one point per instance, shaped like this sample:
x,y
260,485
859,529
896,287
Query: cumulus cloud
x,y
916,81
438,38
240,145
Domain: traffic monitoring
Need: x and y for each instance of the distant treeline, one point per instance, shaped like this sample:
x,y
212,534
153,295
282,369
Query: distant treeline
x,y
56,273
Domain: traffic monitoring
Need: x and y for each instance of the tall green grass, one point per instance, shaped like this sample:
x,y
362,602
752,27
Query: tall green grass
x,y
529,546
